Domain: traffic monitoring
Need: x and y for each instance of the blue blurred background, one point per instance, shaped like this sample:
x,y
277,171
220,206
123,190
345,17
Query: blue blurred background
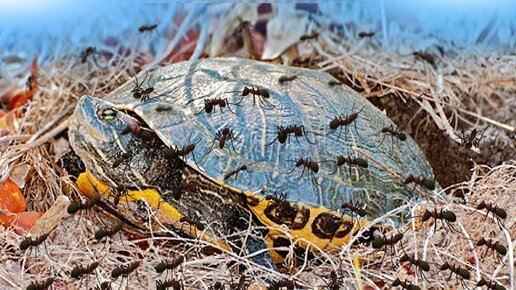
x,y
48,28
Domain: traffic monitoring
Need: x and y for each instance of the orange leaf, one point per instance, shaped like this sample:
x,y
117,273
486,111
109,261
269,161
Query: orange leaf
x,y
2,113
20,99
7,122
25,221
34,66
11,198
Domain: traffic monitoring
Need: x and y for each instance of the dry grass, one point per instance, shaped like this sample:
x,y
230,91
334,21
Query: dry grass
x,y
459,90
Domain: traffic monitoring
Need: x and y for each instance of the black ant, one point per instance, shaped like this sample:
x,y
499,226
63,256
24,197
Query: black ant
x,y
164,285
490,284
173,153
280,198
357,161
363,34
405,284
357,209
242,284
335,283
472,140
216,286
163,266
30,242
123,156
223,136
76,206
147,28
285,78
312,166
394,133
124,270
345,121
31,82
287,283
498,212
457,270
262,93
419,180
109,232
285,132
42,285
382,241
139,92
196,222
236,171
422,266
425,56
184,187
446,217
312,36
496,247
91,50
79,271
104,286
137,130
209,104
163,108
334,83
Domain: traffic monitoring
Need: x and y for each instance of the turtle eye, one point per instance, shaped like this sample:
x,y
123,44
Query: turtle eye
x,y
107,114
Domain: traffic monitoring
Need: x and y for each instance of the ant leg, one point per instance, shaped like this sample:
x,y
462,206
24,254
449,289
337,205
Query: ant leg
x,y
269,144
233,145
292,170
381,142
335,171
200,111
254,100
302,172
356,129
229,108
304,132
297,139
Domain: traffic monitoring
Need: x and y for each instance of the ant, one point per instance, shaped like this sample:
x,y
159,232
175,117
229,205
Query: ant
x,y
345,121
422,266
492,245
335,283
498,212
79,271
139,92
459,271
91,50
285,78
147,28
104,286
446,217
382,241
109,232
312,36
163,285
425,56
236,171
242,284
261,93
289,284
136,129
222,136
30,242
307,163
76,206
472,140
394,133
192,222
173,153
123,156
357,161
405,284
184,187
163,266
42,285
217,286
334,83
31,82
209,104
280,198
124,270
358,209
163,108
419,180
284,134
363,34
490,284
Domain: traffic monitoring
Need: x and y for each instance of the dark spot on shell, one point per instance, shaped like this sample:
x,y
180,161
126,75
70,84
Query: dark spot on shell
x,y
302,217
281,242
281,213
325,225
348,227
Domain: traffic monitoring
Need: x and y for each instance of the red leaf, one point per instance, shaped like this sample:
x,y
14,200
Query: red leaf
x,y
11,198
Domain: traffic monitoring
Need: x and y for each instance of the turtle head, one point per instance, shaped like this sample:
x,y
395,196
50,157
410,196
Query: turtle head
x,y
108,141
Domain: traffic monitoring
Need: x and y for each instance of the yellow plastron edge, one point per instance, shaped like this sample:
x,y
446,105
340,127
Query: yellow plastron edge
x,y
305,237
164,211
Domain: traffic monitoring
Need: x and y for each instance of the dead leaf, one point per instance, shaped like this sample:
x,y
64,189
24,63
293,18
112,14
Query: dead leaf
x,y
52,217
11,198
22,222
283,33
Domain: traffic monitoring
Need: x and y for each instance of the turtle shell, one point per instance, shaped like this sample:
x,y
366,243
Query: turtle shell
x,y
176,112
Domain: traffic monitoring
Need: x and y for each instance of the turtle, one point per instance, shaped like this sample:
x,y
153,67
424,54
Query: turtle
x,y
224,144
